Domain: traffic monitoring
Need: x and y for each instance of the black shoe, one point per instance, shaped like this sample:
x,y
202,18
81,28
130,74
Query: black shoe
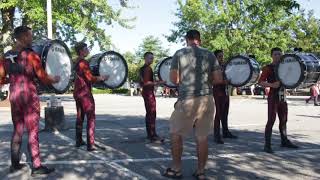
x,y
41,170
95,147
307,101
230,136
316,104
156,139
289,144
218,141
268,149
14,168
81,143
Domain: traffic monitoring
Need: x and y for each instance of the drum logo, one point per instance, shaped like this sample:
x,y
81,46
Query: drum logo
x,y
58,49
239,63
167,63
288,60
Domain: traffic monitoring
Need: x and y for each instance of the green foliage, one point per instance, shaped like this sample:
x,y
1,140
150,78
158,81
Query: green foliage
x,y
248,26
109,91
154,45
70,18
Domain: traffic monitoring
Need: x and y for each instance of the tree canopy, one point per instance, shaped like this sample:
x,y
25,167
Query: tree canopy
x,y
248,26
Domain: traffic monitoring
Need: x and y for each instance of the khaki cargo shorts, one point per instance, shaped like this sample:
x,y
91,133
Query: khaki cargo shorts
x,y
196,114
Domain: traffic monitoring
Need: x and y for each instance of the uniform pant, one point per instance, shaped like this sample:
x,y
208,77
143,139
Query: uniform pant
x,y
85,107
150,105
25,111
275,106
222,111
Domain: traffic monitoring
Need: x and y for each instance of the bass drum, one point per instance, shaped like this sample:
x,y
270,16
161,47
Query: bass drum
x,y
242,71
56,61
299,70
112,64
162,72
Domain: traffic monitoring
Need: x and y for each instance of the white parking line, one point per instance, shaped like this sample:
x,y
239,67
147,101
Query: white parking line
x,y
129,160
126,172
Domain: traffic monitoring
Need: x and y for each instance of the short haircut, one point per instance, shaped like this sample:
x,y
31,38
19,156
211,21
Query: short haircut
x,y
80,46
193,34
146,54
19,31
275,49
218,51
297,49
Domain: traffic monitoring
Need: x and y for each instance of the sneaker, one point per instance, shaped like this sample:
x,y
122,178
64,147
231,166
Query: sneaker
x,y
268,149
17,167
289,144
41,170
156,139
230,136
218,141
81,143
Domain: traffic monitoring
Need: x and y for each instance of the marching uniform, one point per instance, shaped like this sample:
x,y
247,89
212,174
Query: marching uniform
x,y
84,101
23,68
222,101
276,104
146,74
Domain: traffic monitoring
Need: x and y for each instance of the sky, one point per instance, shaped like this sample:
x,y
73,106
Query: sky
x,y
156,17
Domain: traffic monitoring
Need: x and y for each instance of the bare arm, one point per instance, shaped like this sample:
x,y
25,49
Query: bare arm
x,y
174,76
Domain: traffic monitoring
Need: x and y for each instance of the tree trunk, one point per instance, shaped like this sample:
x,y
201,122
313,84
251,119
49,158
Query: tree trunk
x,y
7,28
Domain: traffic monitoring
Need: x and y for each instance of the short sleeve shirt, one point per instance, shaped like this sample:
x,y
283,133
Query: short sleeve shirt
x,y
195,66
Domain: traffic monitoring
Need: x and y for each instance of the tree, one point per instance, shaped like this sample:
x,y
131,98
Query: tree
x,y
133,66
154,45
239,26
70,18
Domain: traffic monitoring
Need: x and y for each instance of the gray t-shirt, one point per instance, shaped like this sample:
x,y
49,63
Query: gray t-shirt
x,y
195,66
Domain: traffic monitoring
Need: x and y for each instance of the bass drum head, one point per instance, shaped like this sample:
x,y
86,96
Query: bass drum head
x,y
115,66
57,62
238,71
290,71
163,72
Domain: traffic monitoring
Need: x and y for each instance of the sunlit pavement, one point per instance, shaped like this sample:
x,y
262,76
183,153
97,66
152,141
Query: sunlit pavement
x,y
120,128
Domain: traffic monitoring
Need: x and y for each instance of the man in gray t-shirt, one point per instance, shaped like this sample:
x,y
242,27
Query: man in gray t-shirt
x,y
194,69
195,66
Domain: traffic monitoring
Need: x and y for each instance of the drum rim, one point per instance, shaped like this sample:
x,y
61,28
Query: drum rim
x,y
159,75
44,54
251,70
302,77
100,56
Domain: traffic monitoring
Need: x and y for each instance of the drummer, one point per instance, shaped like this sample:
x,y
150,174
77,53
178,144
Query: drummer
x,y
222,100
83,96
147,83
276,102
23,67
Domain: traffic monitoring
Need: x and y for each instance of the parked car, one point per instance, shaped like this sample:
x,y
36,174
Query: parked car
x,y
246,90
4,92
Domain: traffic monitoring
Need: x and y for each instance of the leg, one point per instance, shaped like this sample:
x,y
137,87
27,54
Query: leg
x,y
272,110
150,106
176,151
202,153
224,120
89,110
79,123
32,118
17,120
217,117
283,118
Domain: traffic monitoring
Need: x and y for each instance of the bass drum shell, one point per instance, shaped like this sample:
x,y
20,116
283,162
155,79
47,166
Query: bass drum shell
x,y
112,64
298,70
162,72
242,71
56,61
